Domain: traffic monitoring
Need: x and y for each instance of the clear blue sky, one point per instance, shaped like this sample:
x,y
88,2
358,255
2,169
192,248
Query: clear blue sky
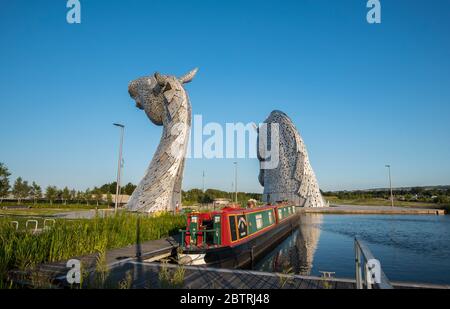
x,y
361,95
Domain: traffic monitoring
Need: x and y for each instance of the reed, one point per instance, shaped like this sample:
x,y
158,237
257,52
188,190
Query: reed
x,y
23,250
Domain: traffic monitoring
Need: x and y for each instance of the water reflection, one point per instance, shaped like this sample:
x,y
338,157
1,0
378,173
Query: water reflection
x,y
296,253
307,240
410,248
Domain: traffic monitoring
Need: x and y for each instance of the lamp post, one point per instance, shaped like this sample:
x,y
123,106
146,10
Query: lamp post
x,y
203,181
390,184
119,165
231,192
235,182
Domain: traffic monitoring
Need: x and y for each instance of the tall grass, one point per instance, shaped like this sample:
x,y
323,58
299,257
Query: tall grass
x,y
22,250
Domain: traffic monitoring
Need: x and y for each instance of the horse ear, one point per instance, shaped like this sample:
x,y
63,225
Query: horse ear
x,y
255,127
159,79
188,77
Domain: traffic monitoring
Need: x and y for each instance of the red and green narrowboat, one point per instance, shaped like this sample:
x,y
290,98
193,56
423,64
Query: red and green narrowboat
x,y
235,237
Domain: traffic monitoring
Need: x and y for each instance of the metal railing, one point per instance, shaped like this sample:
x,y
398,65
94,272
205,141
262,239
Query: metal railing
x,y
197,234
36,223
16,224
47,226
372,275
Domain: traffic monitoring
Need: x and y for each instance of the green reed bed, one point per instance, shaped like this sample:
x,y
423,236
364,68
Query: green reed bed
x,y
22,250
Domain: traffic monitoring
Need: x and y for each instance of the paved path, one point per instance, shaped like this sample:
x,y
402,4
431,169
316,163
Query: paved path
x,y
83,214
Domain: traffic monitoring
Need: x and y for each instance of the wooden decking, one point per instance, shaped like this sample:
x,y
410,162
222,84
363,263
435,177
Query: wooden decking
x,y
197,277
148,275
149,250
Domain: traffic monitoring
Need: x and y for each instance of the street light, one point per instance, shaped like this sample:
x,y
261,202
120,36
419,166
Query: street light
x,y
203,181
119,166
235,182
390,185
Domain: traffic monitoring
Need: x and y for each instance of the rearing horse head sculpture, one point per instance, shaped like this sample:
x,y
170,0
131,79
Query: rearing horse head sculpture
x,y
165,101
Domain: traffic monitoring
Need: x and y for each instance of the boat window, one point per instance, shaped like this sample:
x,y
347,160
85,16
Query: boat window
x,y
280,213
242,226
259,221
233,228
270,217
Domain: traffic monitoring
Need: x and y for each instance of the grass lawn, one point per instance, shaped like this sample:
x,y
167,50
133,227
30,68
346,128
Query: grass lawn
x,y
46,212
44,209
54,205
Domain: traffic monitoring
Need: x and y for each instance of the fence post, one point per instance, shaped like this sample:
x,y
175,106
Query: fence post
x,y
358,266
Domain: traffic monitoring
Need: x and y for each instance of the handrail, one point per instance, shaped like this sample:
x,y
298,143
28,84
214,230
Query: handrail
x,y
47,226
202,232
374,275
32,221
16,224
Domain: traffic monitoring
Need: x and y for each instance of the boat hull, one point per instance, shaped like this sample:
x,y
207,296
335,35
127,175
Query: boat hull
x,y
244,255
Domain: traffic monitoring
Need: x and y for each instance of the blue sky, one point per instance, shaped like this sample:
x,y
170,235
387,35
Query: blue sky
x,y
361,95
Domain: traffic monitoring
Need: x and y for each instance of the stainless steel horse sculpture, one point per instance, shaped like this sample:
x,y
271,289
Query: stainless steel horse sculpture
x,y
166,103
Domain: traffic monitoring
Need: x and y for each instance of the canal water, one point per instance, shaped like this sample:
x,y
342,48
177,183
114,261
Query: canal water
x,y
410,247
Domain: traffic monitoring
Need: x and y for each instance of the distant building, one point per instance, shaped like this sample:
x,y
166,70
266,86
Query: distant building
x,y
221,202
123,198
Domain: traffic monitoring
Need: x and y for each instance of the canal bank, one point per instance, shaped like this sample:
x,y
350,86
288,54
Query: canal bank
x,y
373,210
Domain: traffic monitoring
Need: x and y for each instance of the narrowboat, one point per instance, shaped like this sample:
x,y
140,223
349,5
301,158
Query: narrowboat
x,y
235,237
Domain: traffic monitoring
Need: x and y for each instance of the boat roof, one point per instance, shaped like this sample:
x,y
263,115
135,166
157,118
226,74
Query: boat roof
x,y
236,211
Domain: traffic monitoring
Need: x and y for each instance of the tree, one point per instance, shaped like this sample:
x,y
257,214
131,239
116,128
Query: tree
x,y
65,195
129,188
442,199
21,189
206,199
109,187
417,190
87,195
4,182
109,198
73,195
80,197
98,195
36,192
51,193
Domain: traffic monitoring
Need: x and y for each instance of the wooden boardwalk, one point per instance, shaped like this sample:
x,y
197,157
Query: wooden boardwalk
x,y
147,275
197,277
150,250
